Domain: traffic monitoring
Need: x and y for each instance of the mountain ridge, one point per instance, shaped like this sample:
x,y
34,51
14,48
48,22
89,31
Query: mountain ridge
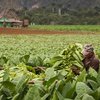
x,y
72,4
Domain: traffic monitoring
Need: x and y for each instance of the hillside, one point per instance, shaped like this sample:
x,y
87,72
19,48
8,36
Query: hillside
x,y
53,11
73,4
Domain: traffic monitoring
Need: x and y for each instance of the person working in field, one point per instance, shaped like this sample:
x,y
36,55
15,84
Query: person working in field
x,y
90,59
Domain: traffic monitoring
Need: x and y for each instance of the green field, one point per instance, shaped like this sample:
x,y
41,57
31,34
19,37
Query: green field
x,y
42,45
68,27
13,47
39,67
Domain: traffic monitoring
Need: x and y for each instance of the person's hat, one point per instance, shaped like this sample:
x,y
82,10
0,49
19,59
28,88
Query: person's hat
x,y
88,47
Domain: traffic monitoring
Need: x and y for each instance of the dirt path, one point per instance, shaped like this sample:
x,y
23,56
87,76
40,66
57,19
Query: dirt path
x,y
32,31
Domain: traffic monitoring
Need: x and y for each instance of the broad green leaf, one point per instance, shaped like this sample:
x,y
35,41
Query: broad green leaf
x,y
60,97
56,65
93,73
32,61
61,85
79,55
87,97
66,89
79,97
6,75
1,96
3,60
50,73
65,51
93,84
55,59
76,57
61,74
40,61
76,63
31,69
15,97
46,62
79,45
70,93
82,88
15,60
98,78
52,87
96,94
9,85
24,58
54,96
50,81
33,94
6,93
22,93
45,96
22,81
82,76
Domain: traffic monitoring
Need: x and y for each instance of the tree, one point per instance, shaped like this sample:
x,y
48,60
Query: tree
x,y
60,6
53,5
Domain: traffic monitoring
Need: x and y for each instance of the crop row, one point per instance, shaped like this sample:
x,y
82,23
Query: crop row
x,y
39,67
50,79
67,27
15,46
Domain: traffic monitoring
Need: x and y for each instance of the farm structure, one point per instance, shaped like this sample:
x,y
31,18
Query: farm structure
x,y
9,22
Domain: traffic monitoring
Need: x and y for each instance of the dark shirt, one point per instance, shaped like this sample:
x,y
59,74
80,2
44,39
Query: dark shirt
x,y
91,62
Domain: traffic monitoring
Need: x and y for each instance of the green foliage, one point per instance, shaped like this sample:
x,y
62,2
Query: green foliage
x,y
94,28
58,82
98,78
33,94
15,48
68,58
57,14
50,73
82,88
87,97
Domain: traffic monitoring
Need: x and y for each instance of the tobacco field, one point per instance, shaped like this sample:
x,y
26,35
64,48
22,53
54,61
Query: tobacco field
x,y
39,67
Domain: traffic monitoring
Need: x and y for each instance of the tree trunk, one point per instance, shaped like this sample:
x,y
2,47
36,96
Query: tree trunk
x,y
53,10
59,11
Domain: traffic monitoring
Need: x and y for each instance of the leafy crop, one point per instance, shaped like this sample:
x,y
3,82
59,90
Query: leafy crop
x,y
35,68
15,47
67,27
56,82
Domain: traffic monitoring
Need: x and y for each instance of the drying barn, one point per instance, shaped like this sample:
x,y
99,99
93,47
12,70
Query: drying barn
x,y
9,22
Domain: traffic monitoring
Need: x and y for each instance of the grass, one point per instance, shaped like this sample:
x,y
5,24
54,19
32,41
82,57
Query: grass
x,y
67,27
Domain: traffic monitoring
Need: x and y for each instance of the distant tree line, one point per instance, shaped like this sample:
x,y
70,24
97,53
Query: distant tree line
x,y
58,14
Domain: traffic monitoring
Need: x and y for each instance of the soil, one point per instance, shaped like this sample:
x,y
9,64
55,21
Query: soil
x,y
33,31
